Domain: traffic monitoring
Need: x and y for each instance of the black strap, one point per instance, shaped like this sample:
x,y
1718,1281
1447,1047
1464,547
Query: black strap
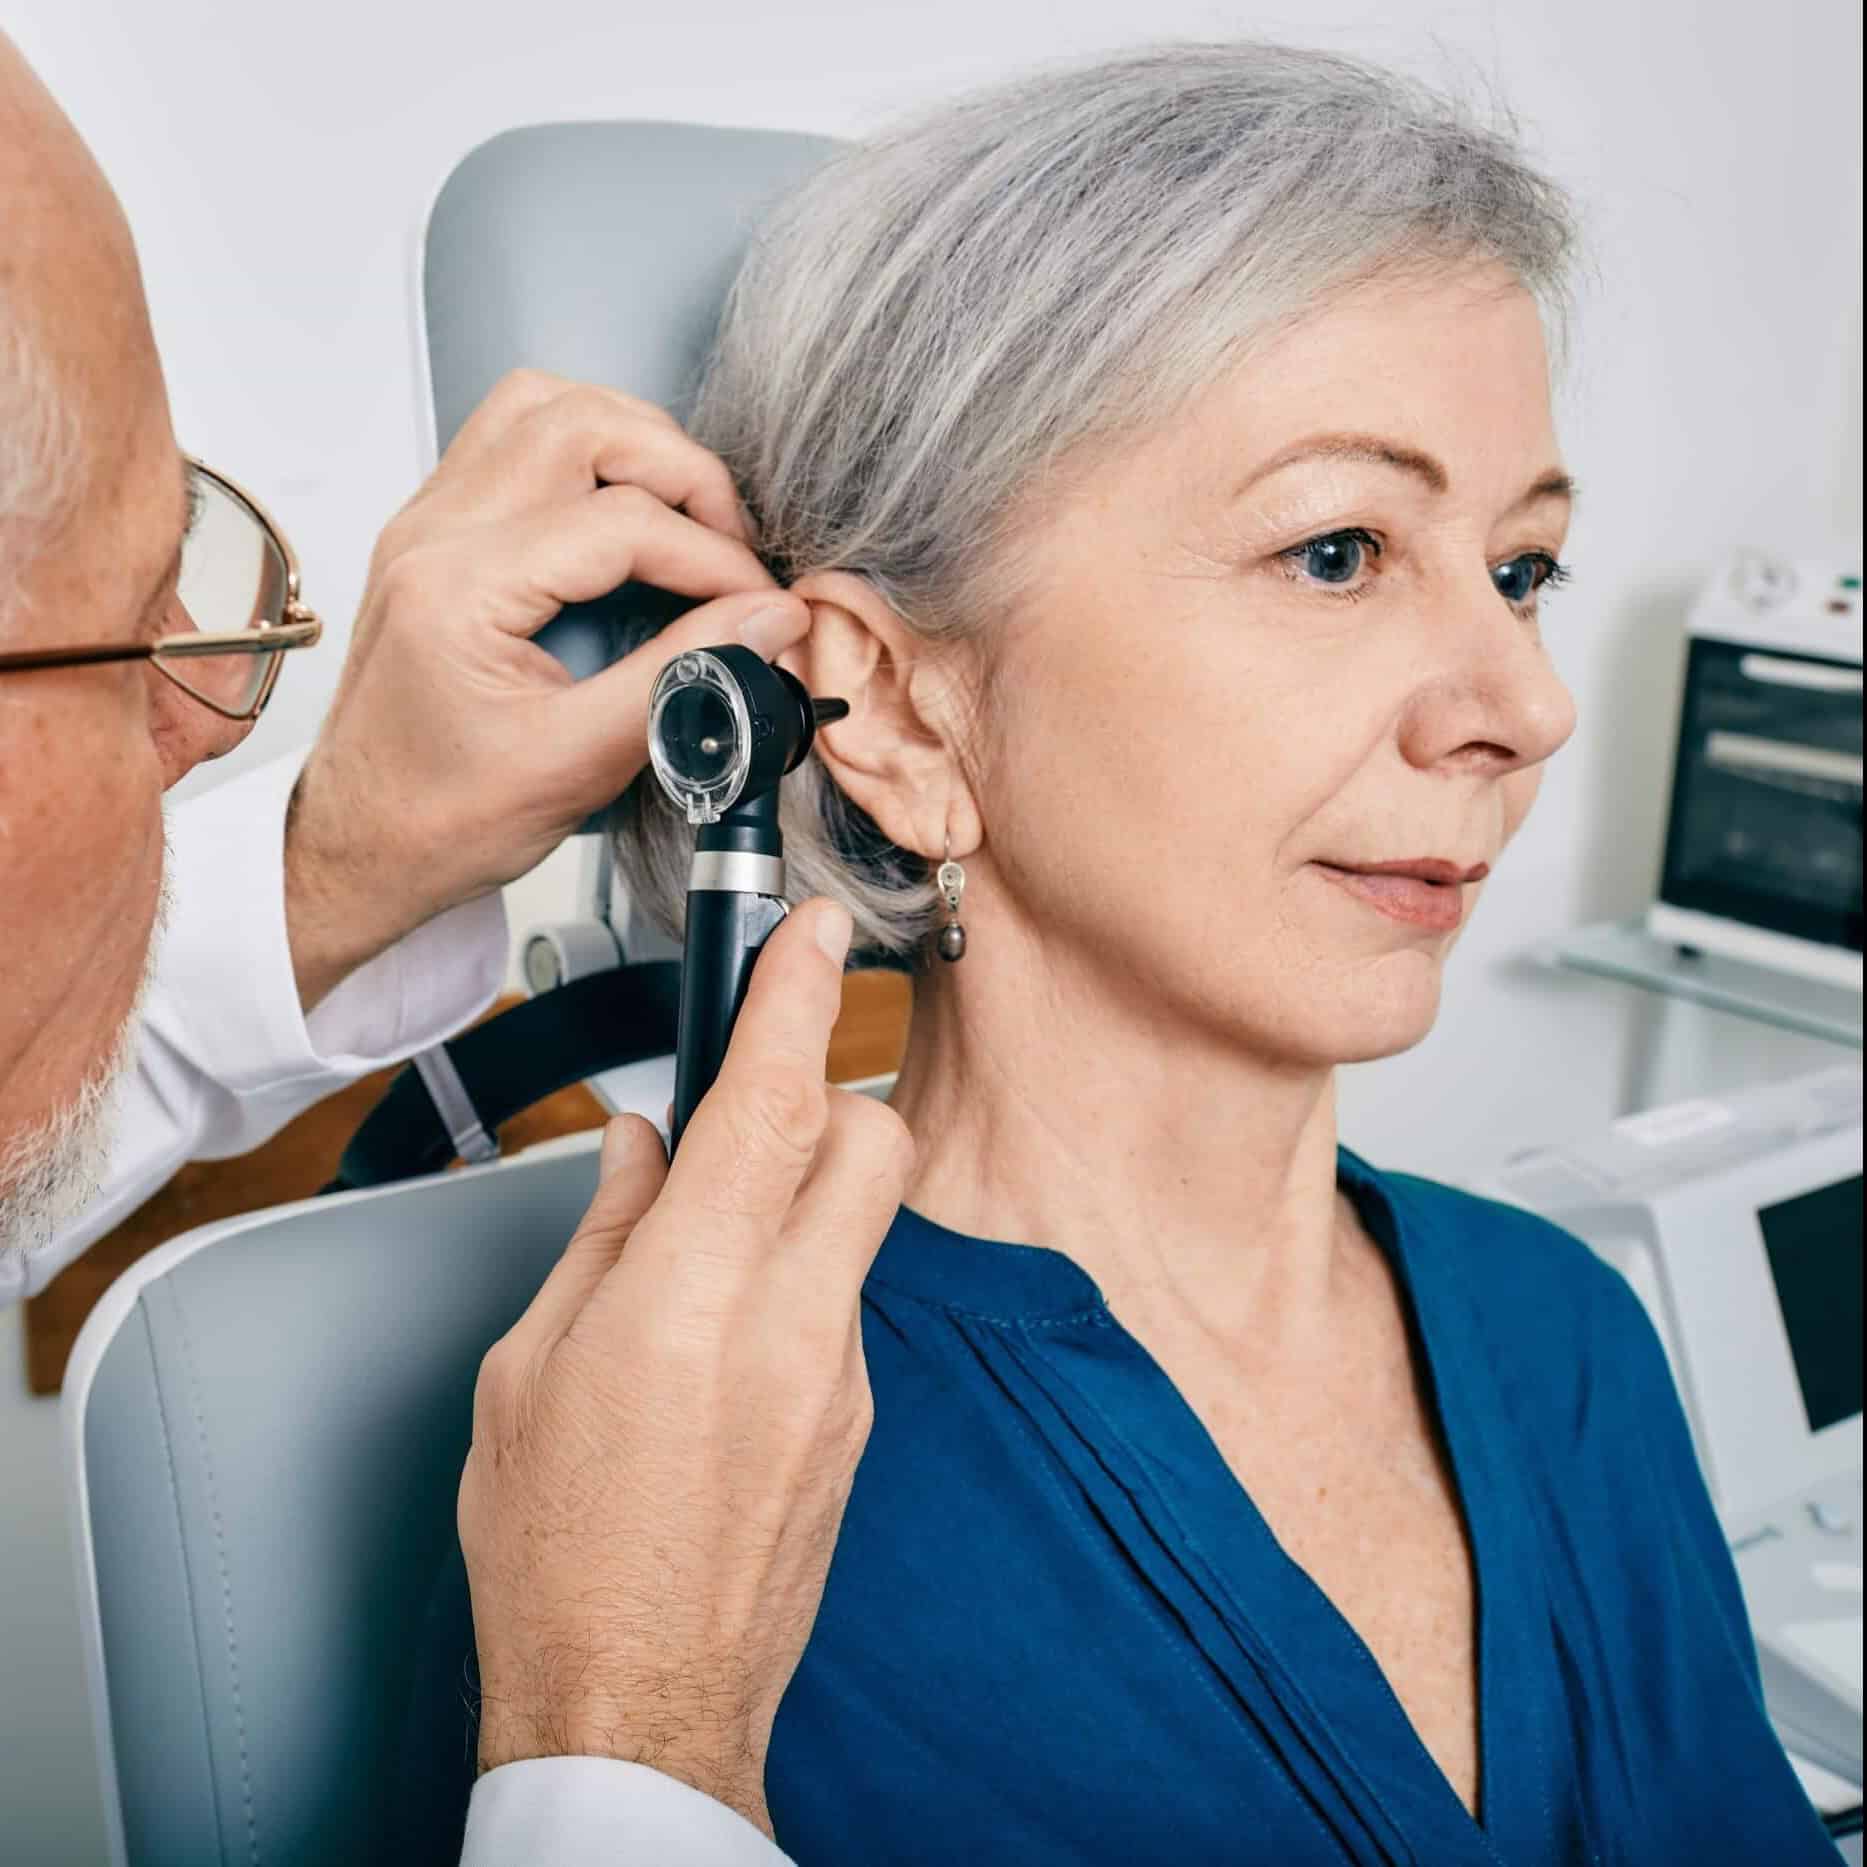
x,y
506,1064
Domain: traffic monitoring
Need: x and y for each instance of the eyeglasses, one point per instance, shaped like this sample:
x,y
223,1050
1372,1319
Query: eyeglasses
x,y
238,586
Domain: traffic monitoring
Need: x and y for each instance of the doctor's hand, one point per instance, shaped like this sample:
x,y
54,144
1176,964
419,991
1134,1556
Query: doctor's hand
x,y
457,753
664,1443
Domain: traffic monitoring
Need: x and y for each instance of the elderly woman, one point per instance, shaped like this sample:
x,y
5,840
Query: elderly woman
x,y
1165,450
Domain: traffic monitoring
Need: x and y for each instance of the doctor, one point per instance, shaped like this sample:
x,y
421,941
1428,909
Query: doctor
x,y
704,1394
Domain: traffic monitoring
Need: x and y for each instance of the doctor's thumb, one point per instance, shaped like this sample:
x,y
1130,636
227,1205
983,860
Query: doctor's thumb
x,y
630,1172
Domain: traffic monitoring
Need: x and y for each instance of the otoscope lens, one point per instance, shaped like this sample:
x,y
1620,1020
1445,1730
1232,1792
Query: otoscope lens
x,y
699,736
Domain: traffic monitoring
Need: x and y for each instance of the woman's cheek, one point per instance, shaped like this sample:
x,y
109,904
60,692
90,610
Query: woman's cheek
x,y
1520,792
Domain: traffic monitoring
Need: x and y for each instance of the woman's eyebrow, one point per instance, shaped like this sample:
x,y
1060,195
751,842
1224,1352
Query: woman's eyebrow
x,y
1555,484
1372,450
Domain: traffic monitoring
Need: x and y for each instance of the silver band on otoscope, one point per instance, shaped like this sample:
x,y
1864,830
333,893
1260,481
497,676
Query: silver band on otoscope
x,y
738,872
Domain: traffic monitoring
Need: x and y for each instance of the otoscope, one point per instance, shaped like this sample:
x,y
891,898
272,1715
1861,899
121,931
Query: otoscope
x,y
724,726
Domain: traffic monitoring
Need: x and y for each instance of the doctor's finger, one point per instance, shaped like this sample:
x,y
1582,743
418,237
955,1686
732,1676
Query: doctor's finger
x,y
573,553
595,437
632,1170
511,399
568,446
850,1196
515,394
756,1132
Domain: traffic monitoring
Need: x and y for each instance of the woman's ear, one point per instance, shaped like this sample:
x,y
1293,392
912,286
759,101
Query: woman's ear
x,y
896,755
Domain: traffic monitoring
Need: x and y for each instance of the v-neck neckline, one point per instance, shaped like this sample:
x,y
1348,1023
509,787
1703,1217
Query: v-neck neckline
x,y
1007,1284
1425,1320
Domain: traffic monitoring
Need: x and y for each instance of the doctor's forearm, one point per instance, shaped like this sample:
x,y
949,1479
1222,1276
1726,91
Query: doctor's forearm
x,y
340,913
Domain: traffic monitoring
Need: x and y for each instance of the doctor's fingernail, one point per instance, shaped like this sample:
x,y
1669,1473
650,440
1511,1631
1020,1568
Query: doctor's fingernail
x,y
776,627
834,930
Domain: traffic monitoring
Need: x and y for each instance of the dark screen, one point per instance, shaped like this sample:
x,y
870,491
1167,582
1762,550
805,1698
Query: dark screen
x,y
1814,1242
1756,835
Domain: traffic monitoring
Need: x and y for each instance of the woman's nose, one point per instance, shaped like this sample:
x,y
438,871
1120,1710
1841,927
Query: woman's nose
x,y
1496,691
186,733
1532,696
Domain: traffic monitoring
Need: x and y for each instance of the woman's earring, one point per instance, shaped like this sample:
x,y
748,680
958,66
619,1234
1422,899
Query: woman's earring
x,y
951,881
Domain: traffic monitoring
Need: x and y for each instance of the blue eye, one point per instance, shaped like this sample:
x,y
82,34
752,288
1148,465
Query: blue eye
x,y
1336,562
1519,580
1337,557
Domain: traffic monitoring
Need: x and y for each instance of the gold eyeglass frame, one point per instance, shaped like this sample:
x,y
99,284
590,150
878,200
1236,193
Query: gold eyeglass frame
x,y
297,626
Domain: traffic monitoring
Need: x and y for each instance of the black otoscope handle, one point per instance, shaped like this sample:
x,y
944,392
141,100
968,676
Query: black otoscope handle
x,y
725,931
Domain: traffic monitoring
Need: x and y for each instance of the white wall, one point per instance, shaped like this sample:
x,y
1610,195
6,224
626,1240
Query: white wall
x,y
275,160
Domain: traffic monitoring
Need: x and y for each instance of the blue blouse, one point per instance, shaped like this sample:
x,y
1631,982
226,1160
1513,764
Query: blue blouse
x,y
1057,1630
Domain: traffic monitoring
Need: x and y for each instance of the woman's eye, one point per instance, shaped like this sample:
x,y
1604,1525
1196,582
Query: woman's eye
x,y
1522,577
1336,557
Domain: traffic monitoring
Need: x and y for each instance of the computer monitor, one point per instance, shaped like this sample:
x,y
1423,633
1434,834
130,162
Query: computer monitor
x,y
1813,1243
1738,1222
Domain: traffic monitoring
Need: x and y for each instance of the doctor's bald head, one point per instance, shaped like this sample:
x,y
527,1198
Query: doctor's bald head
x,y
92,509
71,306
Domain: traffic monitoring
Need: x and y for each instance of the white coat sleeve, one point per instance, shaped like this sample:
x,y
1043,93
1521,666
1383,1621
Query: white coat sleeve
x,y
225,1057
596,1812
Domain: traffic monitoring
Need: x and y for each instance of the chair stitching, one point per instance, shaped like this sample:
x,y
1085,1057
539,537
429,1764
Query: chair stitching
x,y
181,1542
226,1583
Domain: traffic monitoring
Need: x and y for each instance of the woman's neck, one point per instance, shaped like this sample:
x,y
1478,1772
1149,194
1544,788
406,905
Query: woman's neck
x,y
1181,1171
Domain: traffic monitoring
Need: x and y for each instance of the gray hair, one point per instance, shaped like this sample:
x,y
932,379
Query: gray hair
x,y
38,451
939,318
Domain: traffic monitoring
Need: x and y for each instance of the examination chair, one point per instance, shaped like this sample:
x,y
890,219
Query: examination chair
x,y
266,1419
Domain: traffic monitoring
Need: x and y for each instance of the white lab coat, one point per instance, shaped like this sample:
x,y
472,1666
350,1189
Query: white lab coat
x,y
225,1060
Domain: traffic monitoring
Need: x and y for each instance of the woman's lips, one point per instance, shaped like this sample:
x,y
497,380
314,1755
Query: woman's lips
x,y
1437,905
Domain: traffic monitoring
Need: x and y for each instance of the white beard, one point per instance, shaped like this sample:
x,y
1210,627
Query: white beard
x,y
49,1174
54,1169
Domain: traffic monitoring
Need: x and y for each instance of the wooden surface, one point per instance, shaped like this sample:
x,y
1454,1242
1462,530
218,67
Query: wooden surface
x,y
303,1156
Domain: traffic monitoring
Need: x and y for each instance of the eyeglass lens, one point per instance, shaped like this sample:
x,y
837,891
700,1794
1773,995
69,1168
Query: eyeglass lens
x,y
233,578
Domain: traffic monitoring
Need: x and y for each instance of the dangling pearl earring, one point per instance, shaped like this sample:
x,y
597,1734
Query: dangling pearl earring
x,y
951,881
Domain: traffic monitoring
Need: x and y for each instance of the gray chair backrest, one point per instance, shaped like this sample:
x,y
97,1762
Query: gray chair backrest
x,y
264,1428
600,251
265,1421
